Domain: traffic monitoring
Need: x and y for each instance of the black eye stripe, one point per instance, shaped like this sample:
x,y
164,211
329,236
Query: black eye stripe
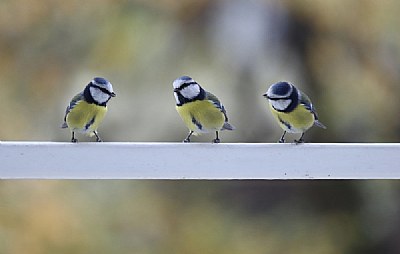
x,y
277,99
101,89
183,86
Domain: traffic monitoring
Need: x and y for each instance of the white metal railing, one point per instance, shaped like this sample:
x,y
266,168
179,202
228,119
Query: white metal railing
x,y
54,160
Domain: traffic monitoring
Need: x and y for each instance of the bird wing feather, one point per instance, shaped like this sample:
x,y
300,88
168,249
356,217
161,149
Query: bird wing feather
x,y
306,102
211,97
71,105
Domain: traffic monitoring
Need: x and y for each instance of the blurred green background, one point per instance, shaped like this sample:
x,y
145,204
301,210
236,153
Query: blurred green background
x,y
344,54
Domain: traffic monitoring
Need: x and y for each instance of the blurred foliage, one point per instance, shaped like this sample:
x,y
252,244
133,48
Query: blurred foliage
x,y
199,217
344,54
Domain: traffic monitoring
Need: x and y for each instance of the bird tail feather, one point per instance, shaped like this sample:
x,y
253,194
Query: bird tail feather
x,y
319,124
228,126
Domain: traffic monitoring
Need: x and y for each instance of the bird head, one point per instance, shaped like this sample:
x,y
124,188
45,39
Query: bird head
x,y
280,94
101,90
185,89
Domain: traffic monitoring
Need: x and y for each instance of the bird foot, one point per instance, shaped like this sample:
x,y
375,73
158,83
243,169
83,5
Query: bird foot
x,y
216,141
300,141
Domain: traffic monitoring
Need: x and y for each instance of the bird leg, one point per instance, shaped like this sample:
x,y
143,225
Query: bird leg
x,y
98,139
73,139
300,140
216,140
187,139
282,139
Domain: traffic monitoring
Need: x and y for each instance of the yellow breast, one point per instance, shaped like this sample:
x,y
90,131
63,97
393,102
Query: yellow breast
x,y
201,116
297,121
85,117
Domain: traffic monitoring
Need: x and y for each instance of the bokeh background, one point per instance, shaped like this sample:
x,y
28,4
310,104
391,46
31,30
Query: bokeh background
x,y
344,54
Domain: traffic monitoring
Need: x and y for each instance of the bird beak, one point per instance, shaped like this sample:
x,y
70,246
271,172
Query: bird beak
x,y
113,94
265,95
176,90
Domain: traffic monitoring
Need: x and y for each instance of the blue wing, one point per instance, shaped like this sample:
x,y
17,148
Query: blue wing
x,y
71,105
306,102
211,97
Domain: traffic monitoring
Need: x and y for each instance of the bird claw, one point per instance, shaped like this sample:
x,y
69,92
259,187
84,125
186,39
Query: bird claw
x,y
300,141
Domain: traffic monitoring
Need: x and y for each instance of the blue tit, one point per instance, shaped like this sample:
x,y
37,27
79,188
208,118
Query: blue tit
x,y
87,109
292,109
200,110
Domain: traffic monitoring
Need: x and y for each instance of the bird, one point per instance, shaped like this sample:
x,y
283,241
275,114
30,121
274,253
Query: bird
x,y
87,109
292,109
199,109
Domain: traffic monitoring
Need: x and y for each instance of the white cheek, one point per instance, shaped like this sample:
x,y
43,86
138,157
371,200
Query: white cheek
x,y
280,104
190,92
98,95
176,98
